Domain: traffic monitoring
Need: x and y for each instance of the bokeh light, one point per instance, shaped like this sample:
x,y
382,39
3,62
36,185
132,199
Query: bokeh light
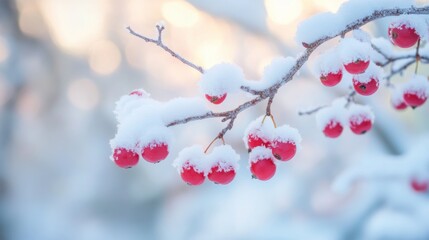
x,y
180,13
283,12
4,52
83,94
104,57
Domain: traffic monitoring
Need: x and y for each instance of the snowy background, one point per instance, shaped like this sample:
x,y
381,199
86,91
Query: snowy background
x,y
64,63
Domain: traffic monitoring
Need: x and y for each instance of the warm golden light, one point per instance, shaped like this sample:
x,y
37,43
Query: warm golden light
x,y
75,24
4,52
104,57
331,6
283,12
30,21
180,13
83,94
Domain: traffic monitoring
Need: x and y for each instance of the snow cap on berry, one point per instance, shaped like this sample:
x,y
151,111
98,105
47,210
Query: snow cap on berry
x,y
418,85
127,104
257,128
328,62
352,50
156,135
259,153
373,71
334,113
220,79
416,22
225,157
359,113
396,97
287,133
192,156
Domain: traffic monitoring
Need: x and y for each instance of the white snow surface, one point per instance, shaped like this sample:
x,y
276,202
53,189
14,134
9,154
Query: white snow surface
x,y
260,153
221,78
328,62
396,96
358,113
225,157
156,135
418,85
286,133
277,69
180,108
373,71
192,156
329,24
352,50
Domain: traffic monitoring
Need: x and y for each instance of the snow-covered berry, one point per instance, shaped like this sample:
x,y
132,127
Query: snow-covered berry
x,y
155,152
403,35
223,164
416,91
367,83
355,55
331,79
329,68
191,165
262,164
356,67
397,100
420,185
216,99
125,158
285,142
330,120
361,119
258,133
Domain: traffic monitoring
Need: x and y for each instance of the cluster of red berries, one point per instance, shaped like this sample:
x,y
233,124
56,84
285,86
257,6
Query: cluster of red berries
x,y
153,152
194,165
358,118
267,143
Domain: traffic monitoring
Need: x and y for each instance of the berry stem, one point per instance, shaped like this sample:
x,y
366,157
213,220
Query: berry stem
x,y
272,120
213,141
417,57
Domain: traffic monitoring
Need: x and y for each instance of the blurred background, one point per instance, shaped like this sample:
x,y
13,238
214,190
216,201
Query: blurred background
x,y
64,63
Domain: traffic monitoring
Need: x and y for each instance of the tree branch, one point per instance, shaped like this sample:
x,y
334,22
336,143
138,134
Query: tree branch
x,y
271,91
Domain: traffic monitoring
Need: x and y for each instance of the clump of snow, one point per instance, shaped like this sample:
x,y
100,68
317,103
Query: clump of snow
x,y
277,69
331,115
325,25
287,133
127,104
372,72
385,46
260,153
328,62
396,97
180,108
361,35
192,157
257,128
225,157
359,113
417,85
156,136
352,50
221,78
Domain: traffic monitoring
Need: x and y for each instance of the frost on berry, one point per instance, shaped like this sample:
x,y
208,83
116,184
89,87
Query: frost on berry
x,y
285,142
192,165
220,80
125,158
223,162
155,144
367,83
330,120
262,165
355,55
258,133
416,91
360,118
329,68
397,99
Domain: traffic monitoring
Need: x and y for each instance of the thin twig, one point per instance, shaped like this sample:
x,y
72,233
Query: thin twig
x,y
349,100
160,44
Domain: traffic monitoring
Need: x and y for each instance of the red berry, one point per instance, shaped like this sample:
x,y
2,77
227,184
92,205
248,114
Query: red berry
x,y
399,105
263,169
367,88
221,176
125,158
403,36
357,66
216,99
283,151
420,185
414,99
191,176
333,129
331,79
155,152
136,93
256,141
361,127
